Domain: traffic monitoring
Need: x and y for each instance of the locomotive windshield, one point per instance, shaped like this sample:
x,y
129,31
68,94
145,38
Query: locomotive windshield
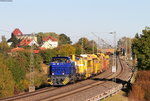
x,y
60,60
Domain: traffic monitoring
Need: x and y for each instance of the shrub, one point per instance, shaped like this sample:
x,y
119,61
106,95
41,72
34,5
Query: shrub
x,y
141,89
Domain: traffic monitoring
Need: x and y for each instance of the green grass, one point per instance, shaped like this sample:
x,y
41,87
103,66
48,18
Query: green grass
x,y
118,97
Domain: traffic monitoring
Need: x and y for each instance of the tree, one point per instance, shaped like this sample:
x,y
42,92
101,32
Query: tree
x,y
87,45
38,61
65,50
17,69
41,35
141,48
125,44
14,41
47,55
64,39
4,39
6,79
3,44
39,39
78,49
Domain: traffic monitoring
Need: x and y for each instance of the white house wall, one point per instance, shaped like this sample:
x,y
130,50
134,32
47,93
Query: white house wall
x,y
50,44
33,42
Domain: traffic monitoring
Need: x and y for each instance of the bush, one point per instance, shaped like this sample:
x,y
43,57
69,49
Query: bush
x,y
141,88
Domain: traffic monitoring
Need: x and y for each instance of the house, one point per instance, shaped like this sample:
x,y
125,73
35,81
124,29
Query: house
x,y
17,32
27,42
27,36
49,42
9,43
19,35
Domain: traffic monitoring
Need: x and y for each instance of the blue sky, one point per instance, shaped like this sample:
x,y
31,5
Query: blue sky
x,y
76,18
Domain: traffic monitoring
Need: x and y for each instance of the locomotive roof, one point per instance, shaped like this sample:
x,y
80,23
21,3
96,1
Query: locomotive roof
x,y
62,57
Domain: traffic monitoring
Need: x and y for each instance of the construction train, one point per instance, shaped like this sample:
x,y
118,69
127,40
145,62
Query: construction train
x,y
64,70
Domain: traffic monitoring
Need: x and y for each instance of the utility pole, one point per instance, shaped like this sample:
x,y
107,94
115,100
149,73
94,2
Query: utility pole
x,y
115,57
114,33
93,46
97,41
82,47
130,43
126,49
114,60
98,44
31,86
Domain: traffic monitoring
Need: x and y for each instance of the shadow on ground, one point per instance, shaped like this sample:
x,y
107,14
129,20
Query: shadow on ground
x,y
43,86
126,84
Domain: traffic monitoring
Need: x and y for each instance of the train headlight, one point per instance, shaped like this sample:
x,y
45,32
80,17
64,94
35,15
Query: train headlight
x,y
63,73
52,73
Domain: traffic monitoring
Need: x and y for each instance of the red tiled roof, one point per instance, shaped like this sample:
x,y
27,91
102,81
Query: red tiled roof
x,y
49,38
42,48
17,49
36,51
17,32
25,42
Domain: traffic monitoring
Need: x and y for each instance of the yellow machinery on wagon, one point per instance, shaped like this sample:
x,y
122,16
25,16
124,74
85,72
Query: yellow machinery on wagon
x,y
88,65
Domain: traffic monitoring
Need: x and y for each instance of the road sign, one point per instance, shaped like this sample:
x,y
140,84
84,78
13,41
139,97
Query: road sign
x,y
113,68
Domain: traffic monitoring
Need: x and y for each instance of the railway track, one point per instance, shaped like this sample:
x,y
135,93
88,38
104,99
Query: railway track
x,y
83,88
69,91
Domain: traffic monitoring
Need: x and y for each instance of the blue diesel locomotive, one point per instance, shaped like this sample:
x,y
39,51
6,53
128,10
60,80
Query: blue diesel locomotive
x,y
62,70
